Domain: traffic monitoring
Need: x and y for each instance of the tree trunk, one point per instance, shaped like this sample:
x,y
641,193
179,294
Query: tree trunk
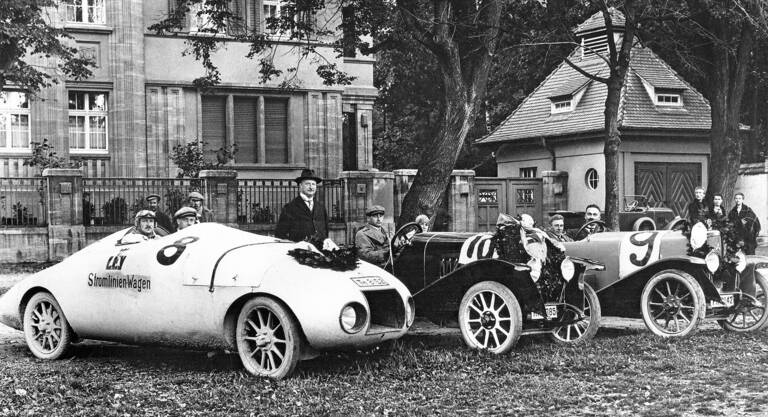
x,y
611,152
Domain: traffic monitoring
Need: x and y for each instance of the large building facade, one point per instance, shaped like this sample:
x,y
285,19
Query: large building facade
x,y
141,101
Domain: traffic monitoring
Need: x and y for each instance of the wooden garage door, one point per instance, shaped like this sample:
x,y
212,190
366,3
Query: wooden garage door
x,y
667,184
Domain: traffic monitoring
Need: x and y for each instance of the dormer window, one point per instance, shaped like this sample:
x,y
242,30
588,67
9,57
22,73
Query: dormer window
x,y
668,98
561,105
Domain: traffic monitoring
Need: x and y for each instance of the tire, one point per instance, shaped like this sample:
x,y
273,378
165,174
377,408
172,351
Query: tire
x,y
490,317
46,328
669,298
752,318
644,224
268,338
584,330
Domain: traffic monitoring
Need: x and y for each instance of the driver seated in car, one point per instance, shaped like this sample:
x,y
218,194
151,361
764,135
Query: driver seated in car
x,y
372,241
143,229
591,214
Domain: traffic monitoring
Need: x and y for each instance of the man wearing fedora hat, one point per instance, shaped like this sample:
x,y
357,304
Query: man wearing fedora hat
x,y
305,218
372,241
204,214
162,219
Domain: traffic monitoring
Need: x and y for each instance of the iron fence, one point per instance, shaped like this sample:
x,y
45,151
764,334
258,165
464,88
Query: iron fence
x,y
259,201
22,202
114,201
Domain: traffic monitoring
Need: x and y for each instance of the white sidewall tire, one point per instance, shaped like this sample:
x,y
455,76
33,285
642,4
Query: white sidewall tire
x,y
510,310
46,329
288,331
762,285
560,334
696,302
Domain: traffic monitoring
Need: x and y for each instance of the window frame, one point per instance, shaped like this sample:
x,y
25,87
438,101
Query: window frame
x,y
528,172
592,181
74,5
678,102
8,129
87,114
565,105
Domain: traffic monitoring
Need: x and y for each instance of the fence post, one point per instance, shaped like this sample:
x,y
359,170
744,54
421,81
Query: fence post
x,y
462,201
364,189
220,192
64,205
554,192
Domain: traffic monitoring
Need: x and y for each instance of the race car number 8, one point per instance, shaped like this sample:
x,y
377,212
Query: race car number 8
x,y
169,254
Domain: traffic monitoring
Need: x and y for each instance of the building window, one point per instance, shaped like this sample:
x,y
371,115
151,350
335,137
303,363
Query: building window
x,y
592,179
668,99
86,11
87,121
276,130
561,105
529,172
14,121
270,9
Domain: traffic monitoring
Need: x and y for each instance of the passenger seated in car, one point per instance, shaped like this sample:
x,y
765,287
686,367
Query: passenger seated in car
x,y
185,217
143,229
557,229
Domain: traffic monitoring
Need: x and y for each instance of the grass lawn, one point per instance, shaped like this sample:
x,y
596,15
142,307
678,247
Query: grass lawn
x,y
619,373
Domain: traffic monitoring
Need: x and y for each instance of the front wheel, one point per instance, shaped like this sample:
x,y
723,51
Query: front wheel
x,y
672,304
268,339
752,317
582,330
46,329
490,317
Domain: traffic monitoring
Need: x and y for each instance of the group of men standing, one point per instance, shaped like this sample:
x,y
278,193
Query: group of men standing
x,y
740,217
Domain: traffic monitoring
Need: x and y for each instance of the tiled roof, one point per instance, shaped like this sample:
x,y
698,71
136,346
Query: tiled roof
x,y
533,118
596,21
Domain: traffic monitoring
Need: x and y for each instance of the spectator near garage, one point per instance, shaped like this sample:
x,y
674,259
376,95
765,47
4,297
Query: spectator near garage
x,y
698,210
162,219
304,218
204,214
745,222
717,213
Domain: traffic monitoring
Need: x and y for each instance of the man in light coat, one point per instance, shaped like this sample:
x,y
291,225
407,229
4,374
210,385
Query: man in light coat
x,y
372,241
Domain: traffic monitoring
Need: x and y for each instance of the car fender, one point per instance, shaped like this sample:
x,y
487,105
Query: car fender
x,y
448,291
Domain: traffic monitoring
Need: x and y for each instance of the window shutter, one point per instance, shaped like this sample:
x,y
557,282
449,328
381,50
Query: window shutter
x,y
276,130
246,110
214,124
255,18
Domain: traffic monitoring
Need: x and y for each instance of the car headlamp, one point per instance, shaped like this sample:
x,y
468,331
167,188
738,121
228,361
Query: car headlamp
x,y
698,235
713,261
567,268
741,264
352,317
535,266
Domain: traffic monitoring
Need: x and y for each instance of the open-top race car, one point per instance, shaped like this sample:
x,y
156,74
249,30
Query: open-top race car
x,y
498,286
208,286
674,279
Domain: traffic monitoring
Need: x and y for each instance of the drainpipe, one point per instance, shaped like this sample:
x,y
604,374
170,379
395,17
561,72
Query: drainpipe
x,y
551,152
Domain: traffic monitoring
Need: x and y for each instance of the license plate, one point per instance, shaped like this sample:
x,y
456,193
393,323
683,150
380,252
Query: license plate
x,y
551,311
727,301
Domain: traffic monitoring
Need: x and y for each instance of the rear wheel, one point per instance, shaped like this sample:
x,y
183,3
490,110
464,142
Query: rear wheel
x,y
752,316
46,329
672,304
583,330
490,317
268,339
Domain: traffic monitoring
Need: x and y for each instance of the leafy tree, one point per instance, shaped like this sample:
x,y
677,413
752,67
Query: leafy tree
x,y
27,39
190,158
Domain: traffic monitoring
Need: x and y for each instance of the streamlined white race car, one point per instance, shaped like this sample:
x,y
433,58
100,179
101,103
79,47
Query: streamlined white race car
x,y
208,286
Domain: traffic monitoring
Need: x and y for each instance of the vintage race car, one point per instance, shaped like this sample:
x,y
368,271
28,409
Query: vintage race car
x,y
498,290
635,215
208,286
656,275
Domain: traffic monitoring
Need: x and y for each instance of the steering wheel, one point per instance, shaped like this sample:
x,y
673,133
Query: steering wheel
x,y
598,224
404,235
632,206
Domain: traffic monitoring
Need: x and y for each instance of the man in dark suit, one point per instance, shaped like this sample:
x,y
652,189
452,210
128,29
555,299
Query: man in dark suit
x,y
162,219
304,218
746,223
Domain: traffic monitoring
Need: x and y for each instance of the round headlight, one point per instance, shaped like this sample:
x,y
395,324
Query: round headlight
x,y
742,262
698,235
535,266
410,312
352,318
567,268
713,261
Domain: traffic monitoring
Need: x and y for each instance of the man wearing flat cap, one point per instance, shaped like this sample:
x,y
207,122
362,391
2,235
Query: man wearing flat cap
x,y
204,214
162,219
304,217
185,217
372,241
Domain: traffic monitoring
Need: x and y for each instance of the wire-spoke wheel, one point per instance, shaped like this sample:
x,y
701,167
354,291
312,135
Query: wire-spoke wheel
x,y
46,329
752,316
672,303
268,339
490,317
580,331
